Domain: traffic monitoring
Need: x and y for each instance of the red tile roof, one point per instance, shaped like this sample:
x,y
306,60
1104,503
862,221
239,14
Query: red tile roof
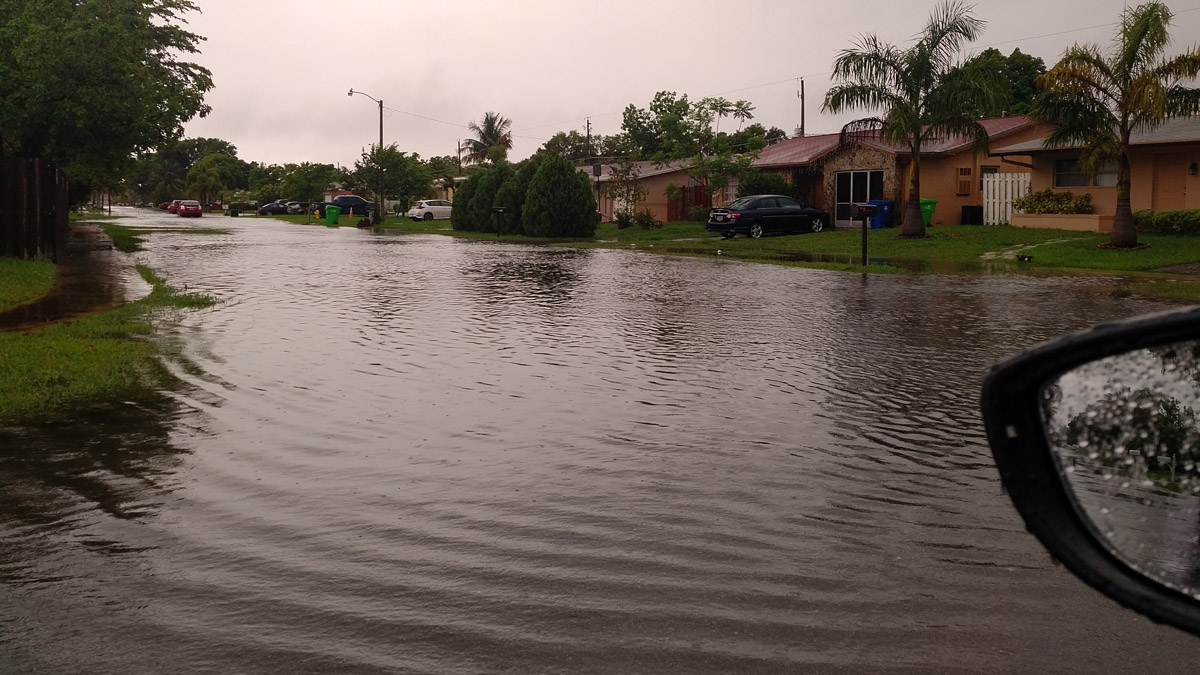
x,y
796,151
806,150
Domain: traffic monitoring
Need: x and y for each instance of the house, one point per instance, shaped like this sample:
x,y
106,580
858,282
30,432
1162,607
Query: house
x,y
834,172
654,179
1164,163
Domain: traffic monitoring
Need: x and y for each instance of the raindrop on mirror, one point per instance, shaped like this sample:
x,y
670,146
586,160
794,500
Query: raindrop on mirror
x,y
1123,430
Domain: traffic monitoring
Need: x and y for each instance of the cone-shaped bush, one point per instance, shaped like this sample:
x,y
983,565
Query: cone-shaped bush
x,y
512,195
460,213
559,202
484,196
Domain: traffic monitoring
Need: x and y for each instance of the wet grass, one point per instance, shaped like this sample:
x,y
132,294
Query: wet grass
x,y
130,239
22,281
91,215
55,370
1168,288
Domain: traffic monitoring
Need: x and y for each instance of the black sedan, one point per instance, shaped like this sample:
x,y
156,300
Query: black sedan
x,y
757,215
276,208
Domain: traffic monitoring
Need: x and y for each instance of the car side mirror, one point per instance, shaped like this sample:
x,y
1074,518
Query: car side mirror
x,y
1096,439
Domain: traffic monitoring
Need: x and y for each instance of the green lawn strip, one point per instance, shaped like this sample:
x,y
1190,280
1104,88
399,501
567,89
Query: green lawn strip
x,y
52,371
24,280
130,239
124,238
91,215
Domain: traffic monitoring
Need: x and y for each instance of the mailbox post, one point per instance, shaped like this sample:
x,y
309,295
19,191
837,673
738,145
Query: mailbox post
x,y
498,211
864,212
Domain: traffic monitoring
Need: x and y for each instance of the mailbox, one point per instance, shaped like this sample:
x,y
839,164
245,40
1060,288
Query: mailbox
x,y
864,211
498,209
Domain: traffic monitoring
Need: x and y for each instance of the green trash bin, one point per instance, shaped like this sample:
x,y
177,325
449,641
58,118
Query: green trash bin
x,y
927,207
233,213
331,215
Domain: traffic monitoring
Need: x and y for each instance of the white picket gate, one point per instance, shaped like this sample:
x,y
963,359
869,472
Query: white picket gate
x,y
999,190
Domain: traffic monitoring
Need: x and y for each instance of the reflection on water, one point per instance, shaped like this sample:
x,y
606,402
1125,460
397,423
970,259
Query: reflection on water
x,y
416,454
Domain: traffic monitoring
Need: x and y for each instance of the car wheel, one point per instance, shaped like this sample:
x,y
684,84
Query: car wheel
x,y
817,225
428,216
756,231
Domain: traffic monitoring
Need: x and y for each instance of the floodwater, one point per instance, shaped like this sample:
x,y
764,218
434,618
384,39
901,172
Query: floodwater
x,y
412,454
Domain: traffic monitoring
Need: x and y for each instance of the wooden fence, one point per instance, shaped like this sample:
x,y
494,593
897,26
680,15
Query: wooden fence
x,y
33,209
693,195
999,190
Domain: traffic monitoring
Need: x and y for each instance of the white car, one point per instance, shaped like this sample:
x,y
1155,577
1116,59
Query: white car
x,y
430,209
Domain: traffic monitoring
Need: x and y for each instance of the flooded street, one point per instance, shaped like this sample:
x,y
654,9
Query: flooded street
x,y
416,454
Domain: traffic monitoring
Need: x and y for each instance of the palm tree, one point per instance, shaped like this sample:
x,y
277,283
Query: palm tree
x,y
1099,99
742,111
913,86
491,132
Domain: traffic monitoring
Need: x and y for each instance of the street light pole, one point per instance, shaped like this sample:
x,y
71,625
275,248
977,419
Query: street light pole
x,y
378,215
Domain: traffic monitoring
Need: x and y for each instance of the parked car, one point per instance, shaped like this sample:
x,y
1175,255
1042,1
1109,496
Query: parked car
x,y
348,204
298,207
757,215
276,208
190,208
163,206
430,209
173,207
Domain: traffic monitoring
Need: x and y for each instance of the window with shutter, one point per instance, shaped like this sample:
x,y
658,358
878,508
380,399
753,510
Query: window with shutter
x,y
964,181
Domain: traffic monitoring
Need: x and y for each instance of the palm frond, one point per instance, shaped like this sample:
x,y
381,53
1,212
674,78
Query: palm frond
x,y
1082,71
1142,38
950,26
843,97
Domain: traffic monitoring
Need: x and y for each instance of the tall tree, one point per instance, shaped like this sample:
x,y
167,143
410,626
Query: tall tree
x,y
911,86
1098,99
490,132
1016,75
89,83
390,173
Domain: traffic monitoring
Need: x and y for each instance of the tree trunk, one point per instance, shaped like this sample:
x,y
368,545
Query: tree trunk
x,y
1124,233
913,225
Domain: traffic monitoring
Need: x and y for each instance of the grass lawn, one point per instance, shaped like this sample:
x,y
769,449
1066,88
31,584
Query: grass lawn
x,y
23,280
954,249
57,369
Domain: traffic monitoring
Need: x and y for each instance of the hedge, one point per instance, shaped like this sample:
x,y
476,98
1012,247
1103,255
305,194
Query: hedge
x,y
1182,221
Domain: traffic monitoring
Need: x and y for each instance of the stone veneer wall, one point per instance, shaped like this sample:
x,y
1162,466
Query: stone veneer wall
x,y
855,157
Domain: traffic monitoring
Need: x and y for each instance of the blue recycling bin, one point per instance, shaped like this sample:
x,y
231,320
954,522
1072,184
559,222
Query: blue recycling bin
x,y
883,213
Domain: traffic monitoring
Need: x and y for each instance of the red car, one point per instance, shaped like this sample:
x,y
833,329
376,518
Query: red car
x,y
174,207
189,208
163,206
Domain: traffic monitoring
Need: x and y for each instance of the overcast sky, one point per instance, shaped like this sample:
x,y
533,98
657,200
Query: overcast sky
x,y
282,68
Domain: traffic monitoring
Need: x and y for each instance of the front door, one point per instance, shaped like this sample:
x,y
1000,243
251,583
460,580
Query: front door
x,y
1170,182
855,187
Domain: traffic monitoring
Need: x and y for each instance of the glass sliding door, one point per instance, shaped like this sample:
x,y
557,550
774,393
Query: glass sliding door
x,y
856,187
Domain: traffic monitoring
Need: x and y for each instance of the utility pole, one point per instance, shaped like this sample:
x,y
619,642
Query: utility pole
x,y
378,215
801,95
589,137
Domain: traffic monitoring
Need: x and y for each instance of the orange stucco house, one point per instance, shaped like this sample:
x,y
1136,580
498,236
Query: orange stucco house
x,y
835,173
1164,171
654,179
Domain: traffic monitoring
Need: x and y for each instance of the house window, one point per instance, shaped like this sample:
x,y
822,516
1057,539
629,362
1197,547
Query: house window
x,y
1068,173
964,181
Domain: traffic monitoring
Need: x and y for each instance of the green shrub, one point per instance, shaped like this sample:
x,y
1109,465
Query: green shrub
x,y
1182,221
484,197
645,219
624,220
559,202
512,195
1143,220
698,213
1049,201
763,183
460,212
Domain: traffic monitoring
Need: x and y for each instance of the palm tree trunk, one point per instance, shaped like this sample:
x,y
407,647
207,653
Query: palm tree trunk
x,y
1124,233
913,225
